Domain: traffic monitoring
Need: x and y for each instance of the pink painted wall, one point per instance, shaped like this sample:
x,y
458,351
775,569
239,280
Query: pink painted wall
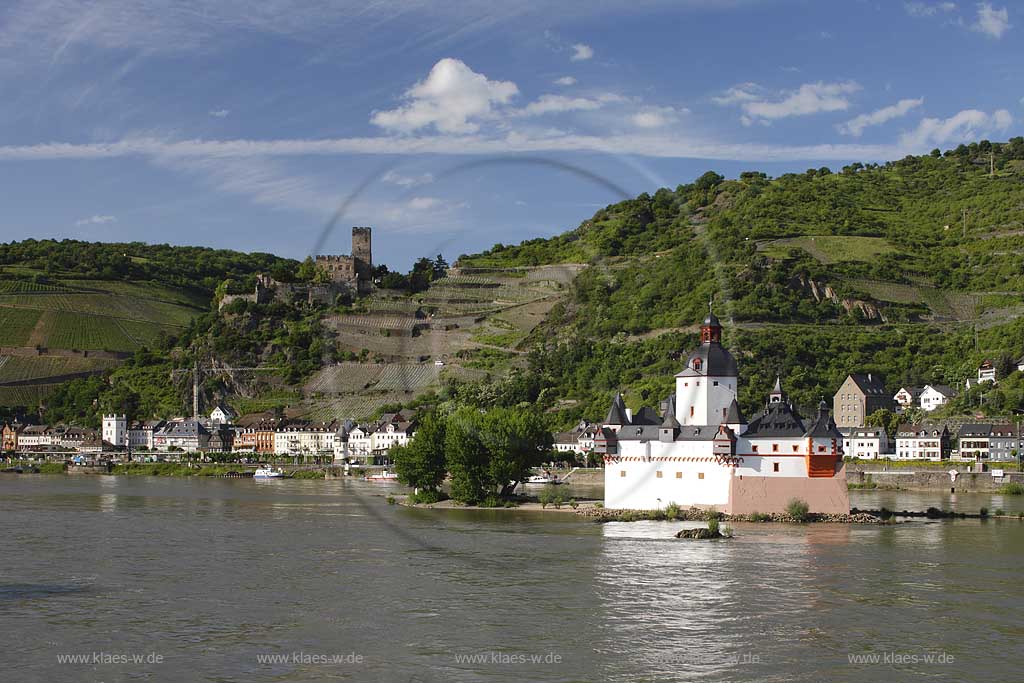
x,y
826,495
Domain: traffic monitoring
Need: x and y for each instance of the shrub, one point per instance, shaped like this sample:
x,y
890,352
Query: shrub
x,y
573,504
798,510
1012,489
426,496
391,500
712,517
599,505
984,512
672,511
549,495
759,517
999,512
727,531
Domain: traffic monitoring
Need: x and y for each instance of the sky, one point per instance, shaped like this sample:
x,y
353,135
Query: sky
x,y
451,126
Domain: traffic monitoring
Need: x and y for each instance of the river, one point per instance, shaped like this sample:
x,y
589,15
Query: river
x,y
235,580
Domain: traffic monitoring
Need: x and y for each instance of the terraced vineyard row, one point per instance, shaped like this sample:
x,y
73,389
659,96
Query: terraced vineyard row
x,y
16,325
103,304
408,377
355,407
376,322
29,395
344,378
20,369
20,286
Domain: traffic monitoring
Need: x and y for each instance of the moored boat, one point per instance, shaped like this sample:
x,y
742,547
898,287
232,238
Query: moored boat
x,y
268,473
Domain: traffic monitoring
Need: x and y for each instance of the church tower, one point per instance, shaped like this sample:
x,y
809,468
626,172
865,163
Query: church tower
x,y
706,387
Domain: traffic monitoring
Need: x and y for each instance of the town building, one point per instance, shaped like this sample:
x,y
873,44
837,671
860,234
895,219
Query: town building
x,y
704,453
222,415
305,438
975,442
115,430
182,435
1020,364
141,435
987,372
859,396
1004,443
922,442
867,443
9,436
907,397
934,396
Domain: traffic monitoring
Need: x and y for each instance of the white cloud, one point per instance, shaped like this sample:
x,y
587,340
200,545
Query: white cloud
x,y
449,99
656,117
856,125
565,80
809,98
407,181
219,113
969,124
548,104
991,21
96,220
424,203
581,52
925,9
744,92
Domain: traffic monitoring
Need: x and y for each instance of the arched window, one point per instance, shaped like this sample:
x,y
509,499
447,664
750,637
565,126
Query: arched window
x,y
696,363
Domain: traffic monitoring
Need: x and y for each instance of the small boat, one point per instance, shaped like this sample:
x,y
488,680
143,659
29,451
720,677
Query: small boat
x,y
268,473
546,478
382,476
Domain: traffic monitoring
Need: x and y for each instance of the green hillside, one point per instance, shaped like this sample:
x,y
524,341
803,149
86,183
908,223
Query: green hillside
x,y
70,309
870,268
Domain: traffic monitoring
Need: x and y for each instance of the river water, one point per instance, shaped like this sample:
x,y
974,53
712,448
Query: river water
x,y
234,580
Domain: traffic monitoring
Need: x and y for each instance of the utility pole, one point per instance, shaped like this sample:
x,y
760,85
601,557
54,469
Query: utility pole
x,y
965,212
992,164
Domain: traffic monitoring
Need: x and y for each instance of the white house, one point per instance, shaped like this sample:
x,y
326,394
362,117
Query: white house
x,y
303,438
922,442
360,441
1020,364
986,372
705,453
115,430
867,443
907,397
222,415
390,434
935,395
141,435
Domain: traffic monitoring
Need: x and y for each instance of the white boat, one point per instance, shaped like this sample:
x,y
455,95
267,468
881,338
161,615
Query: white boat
x,y
268,473
382,476
546,478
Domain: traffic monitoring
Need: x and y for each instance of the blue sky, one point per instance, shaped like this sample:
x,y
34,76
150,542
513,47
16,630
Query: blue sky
x,y
238,125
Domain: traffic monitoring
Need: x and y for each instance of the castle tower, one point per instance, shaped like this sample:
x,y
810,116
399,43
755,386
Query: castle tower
x,y
361,247
706,387
115,429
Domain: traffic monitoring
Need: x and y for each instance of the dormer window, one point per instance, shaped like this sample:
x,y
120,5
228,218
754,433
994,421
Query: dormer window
x,y
697,363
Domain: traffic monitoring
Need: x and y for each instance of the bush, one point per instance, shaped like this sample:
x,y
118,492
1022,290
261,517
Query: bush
x,y
391,500
672,511
599,505
713,522
426,496
984,512
759,517
999,512
573,504
727,531
798,510
549,495
1012,489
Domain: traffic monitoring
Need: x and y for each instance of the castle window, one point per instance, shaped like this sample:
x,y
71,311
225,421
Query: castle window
x,y
700,475
775,467
691,411
658,474
775,448
696,363
715,383
754,448
795,448
679,475
622,473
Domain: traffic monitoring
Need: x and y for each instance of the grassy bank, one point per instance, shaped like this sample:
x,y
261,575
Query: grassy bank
x,y
172,469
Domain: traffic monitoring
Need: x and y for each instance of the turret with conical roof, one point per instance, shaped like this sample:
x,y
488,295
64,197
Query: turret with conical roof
x,y
617,413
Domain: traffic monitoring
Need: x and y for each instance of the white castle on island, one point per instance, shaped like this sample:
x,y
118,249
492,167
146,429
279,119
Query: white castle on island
x,y
702,452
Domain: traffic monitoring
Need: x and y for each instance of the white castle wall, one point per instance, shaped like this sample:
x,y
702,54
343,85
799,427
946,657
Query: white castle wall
x,y
709,397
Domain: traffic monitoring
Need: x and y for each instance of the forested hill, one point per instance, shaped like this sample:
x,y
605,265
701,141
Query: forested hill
x,y
191,268
912,269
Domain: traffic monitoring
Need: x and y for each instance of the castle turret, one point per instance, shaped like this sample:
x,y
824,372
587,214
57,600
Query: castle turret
x,y
707,385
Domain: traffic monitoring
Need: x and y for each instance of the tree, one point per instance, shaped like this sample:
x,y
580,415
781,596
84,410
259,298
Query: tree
x,y
516,439
421,463
466,455
886,419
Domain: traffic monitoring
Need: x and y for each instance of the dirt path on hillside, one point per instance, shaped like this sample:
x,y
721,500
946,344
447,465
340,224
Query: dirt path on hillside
x,y
38,336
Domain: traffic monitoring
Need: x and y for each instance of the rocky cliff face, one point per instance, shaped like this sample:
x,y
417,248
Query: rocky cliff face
x,y
821,291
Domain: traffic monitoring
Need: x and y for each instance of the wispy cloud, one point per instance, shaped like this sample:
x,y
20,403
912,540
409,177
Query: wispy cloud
x,y
856,125
396,178
809,98
581,52
991,21
565,81
548,104
656,117
219,113
96,220
928,9
969,124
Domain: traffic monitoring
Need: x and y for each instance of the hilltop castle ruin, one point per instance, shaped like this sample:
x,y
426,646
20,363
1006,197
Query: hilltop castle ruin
x,y
356,270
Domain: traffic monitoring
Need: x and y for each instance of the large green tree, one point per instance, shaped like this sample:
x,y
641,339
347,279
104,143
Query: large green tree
x,y
421,463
